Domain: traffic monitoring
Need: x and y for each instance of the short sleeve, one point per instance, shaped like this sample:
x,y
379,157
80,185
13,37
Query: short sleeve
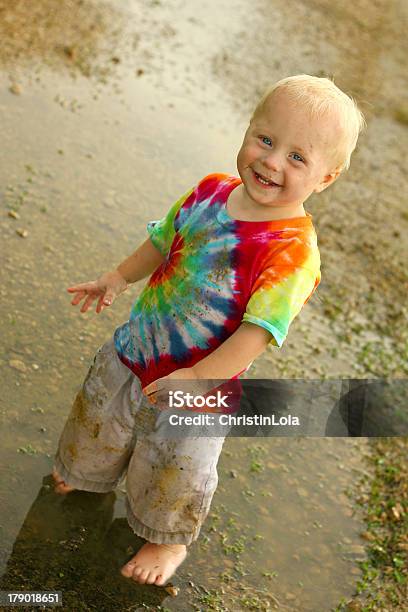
x,y
162,232
278,298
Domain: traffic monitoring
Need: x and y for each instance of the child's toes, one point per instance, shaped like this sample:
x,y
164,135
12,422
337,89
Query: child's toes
x,y
63,488
59,484
160,580
142,577
128,569
151,578
57,478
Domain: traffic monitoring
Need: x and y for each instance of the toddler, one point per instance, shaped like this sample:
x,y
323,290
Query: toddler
x,y
230,265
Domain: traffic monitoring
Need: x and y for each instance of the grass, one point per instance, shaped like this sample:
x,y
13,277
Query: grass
x,y
384,499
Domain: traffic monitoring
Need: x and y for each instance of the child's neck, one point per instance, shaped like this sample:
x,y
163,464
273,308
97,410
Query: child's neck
x,y
240,210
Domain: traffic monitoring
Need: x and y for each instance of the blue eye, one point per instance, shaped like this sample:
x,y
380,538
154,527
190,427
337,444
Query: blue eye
x,y
297,155
266,140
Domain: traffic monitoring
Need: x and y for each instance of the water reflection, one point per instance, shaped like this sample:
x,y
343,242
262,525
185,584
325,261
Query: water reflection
x,y
281,532
75,545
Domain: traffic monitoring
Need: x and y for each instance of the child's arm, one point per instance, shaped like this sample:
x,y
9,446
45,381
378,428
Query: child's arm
x,y
111,284
235,354
141,263
229,359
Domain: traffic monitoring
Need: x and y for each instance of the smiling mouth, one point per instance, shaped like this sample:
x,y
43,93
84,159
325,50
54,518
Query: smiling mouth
x,y
264,181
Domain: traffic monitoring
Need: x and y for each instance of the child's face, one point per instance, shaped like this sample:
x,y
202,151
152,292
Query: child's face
x,y
282,144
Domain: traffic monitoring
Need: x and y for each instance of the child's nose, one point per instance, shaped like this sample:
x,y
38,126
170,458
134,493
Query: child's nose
x,y
272,161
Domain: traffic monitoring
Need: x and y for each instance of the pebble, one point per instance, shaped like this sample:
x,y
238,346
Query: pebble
x,y
17,364
353,606
70,52
290,596
13,214
302,492
35,366
16,89
22,232
172,590
109,202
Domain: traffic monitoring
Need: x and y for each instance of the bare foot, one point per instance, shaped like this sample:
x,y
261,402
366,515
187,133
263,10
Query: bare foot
x,y
155,563
60,486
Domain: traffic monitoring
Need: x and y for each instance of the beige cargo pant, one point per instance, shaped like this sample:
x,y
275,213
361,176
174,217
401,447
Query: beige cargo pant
x,y
114,431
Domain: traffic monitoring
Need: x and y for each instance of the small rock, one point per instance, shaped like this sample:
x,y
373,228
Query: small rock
x,y
16,364
139,72
35,366
233,473
172,590
401,115
109,202
302,492
70,52
353,606
22,232
367,535
15,89
397,511
13,214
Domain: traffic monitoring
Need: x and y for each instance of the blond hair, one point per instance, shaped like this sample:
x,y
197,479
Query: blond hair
x,y
320,96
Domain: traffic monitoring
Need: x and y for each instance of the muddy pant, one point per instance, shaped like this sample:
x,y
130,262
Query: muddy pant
x,y
113,430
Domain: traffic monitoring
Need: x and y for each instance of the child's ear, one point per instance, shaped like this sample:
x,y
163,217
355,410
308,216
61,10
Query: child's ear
x,y
328,180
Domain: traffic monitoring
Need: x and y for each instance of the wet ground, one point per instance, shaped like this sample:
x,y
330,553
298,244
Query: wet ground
x,y
109,114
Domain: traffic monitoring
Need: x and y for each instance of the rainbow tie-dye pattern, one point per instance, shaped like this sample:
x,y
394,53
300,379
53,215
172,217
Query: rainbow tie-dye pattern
x,y
218,272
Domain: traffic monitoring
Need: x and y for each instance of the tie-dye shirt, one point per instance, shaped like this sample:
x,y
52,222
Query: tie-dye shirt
x,y
217,273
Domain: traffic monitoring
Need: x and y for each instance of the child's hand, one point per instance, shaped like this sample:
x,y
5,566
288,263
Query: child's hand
x,y
157,392
107,288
